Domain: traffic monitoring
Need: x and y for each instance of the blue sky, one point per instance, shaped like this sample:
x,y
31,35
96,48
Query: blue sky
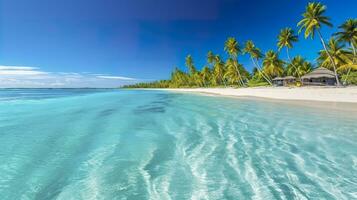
x,y
105,43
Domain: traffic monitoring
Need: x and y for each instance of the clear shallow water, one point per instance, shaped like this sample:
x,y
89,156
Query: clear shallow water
x,y
90,144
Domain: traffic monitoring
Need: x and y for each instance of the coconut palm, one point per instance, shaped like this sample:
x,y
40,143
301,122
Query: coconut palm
x,y
255,55
272,65
210,58
190,65
235,71
191,70
231,46
348,34
206,75
179,78
341,57
218,71
313,19
198,79
286,39
305,68
298,67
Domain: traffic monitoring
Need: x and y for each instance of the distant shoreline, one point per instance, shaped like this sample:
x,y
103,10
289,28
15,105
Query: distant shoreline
x,y
318,94
57,88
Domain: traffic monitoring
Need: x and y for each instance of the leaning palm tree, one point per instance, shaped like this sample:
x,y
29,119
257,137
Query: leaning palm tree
x,y
272,65
232,74
286,39
255,54
231,46
341,57
313,19
348,34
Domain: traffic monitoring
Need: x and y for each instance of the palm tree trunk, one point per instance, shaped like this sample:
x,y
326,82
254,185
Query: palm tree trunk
x,y
354,53
353,62
240,77
223,80
329,55
260,71
297,69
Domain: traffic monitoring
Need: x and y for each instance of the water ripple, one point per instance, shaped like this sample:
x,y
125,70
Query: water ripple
x,y
160,145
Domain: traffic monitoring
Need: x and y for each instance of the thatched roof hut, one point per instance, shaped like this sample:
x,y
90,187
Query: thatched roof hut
x,y
319,76
320,72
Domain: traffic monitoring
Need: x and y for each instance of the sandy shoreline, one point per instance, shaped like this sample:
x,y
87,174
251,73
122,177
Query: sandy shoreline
x,y
324,94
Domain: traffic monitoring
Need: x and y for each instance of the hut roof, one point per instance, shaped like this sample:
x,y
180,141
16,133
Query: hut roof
x,y
320,72
288,77
283,78
277,79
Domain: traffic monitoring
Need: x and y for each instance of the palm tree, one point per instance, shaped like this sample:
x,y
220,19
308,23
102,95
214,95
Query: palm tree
x,y
348,34
206,75
255,54
198,79
231,46
298,67
341,57
286,39
305,68
218,71
191,69
210,58
179,78
189,63
233,74
272,65
313,19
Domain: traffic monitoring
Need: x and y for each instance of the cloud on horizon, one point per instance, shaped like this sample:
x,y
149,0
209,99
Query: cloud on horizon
x,y
34,77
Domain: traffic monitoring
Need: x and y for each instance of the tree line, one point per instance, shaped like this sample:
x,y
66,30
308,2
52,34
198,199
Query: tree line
x,y
338,54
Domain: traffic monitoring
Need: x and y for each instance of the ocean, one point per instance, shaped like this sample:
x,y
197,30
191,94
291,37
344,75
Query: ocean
x,y
141,144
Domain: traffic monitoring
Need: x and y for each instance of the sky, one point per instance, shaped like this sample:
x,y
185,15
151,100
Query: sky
x,y
108,43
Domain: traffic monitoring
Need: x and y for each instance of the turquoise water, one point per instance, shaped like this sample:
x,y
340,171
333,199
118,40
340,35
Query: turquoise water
x,y
112,144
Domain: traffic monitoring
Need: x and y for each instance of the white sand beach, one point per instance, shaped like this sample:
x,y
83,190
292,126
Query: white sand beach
x,y
325,94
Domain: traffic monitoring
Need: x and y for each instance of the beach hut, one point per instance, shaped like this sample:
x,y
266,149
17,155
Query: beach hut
x,y
289,80
278,81
319,76
284,81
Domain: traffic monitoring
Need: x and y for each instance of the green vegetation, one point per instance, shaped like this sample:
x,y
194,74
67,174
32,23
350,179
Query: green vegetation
x,y
339,55
350,78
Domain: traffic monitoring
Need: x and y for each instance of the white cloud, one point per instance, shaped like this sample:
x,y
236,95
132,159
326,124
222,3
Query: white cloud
x,y
6,67
21,72
116,77
24,76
